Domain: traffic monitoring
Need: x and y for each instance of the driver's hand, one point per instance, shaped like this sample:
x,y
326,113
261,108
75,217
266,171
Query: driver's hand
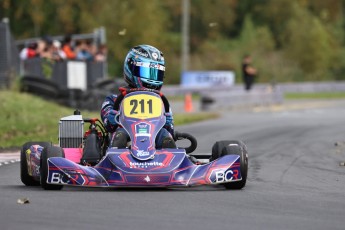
x,y
111,116
169,118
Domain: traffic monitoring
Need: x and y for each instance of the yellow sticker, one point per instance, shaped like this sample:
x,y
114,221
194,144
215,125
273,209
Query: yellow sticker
x,y
142,106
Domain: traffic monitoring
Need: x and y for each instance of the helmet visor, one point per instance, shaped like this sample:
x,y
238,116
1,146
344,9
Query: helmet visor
x,y
150,71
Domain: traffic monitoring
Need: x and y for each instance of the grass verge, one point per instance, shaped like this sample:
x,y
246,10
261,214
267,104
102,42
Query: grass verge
x,y
29,118
318,95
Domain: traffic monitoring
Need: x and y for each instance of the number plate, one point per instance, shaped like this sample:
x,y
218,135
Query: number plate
x,y
142,106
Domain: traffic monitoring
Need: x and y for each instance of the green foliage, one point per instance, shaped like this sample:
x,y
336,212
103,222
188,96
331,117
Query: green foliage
x,y
320,95
289,39
309,43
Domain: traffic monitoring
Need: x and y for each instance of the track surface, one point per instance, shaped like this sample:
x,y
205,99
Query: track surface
x,y
294,182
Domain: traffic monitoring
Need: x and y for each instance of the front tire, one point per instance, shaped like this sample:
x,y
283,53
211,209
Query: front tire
x,y
24,172
51,151
223,148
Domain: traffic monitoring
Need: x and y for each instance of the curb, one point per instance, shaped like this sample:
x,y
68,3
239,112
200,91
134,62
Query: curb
x,y
9,162
9,158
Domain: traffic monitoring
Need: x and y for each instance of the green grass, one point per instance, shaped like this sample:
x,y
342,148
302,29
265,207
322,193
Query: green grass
x,y
195,97
29,118
319,95
181,119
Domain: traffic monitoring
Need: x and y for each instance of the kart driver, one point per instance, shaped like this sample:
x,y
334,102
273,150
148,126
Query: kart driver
x,y
144,67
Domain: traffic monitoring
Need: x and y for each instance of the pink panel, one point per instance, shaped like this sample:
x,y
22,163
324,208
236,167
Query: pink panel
x,y
73,154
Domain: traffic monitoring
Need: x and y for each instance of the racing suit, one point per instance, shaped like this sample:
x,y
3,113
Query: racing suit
x,y
119,136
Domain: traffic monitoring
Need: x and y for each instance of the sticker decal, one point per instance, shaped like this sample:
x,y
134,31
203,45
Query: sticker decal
x,y
142,129
155,56
142,106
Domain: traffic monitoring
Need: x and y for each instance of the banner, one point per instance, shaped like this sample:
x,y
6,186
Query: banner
x,y
207,78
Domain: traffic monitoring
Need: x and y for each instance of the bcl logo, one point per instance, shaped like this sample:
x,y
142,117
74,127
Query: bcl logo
x,y
57,178
221,176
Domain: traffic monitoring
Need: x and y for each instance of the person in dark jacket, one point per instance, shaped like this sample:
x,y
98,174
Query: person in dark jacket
x,y
144,67
248,72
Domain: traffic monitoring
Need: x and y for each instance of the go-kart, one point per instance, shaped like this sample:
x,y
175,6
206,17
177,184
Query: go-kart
x,y
87,159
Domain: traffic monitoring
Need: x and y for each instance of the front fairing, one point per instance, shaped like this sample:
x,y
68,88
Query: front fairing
x,y
120,169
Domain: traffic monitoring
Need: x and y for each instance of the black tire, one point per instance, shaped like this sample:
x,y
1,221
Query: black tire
x,y
51,151
39,86
24,174
223,148
217,149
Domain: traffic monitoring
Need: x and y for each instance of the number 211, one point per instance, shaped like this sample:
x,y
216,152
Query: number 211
x,y
135,103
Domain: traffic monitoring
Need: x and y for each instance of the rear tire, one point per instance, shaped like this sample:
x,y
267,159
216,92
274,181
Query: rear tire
x,y
223,148
24,173
51,151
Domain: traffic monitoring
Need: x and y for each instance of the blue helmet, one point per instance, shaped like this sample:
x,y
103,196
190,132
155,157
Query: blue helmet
x,y
144,67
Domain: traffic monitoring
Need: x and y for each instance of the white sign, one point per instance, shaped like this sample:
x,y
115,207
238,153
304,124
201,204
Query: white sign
x,y
76,75
207,78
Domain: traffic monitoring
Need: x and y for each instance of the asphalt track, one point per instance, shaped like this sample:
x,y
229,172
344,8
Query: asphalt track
x,y
295,181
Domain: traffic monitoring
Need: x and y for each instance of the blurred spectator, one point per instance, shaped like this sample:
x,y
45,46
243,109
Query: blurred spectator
x,y
67,48
83,52
47,39
29,52
101,54
42,49
56,53
248,72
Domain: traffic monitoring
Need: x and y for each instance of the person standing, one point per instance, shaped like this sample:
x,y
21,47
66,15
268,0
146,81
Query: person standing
x,y
67,48
248,72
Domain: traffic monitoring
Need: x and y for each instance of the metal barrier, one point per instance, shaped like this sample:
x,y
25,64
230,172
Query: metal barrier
x,y
61,73
9,59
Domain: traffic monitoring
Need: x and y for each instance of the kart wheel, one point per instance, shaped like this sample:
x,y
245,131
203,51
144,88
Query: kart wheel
x,y
237,148
218,147
51,151
24,173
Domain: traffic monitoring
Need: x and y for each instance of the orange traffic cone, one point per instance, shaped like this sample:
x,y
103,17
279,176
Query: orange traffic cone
x,y
188,103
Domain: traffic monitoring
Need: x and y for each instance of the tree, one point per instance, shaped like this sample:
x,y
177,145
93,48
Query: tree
x,y
308,42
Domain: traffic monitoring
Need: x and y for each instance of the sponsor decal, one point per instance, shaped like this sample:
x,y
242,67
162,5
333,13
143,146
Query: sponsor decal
x,y
147,179
37,170
105,103
57,178
151,65
140,53
67,178
221,176
142,153
145,164
143,125
155,55
142,129
157,66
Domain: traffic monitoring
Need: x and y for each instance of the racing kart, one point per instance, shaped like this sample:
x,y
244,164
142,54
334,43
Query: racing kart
x,y
87,159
